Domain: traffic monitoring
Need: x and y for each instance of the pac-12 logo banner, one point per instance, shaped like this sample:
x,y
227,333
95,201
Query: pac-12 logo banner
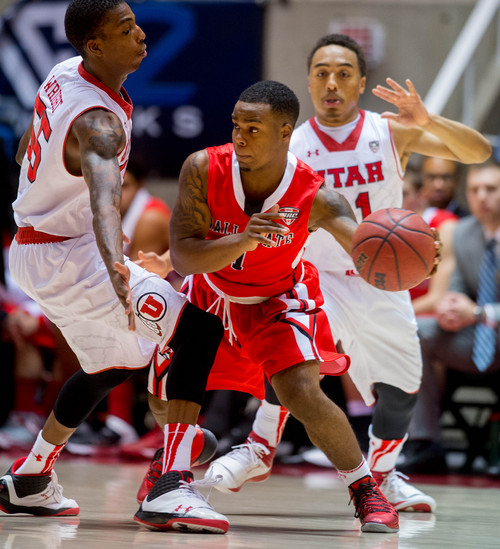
x,y
181,92
291,214
151,308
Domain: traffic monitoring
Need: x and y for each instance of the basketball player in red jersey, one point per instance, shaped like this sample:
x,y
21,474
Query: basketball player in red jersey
x,y
362,155
243,215
68,256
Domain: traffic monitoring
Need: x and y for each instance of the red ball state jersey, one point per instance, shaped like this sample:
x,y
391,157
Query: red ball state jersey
x,y
267,270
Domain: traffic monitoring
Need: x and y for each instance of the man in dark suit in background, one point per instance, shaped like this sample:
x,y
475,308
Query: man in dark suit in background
x,y
464,334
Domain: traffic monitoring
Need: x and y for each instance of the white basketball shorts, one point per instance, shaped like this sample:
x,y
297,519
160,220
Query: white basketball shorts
x,y
71,284
377,330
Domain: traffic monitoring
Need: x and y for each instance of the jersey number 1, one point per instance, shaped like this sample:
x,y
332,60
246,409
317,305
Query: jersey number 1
x,y
363,203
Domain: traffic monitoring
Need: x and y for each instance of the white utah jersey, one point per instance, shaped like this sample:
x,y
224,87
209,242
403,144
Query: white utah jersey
x,y
50,199
365,168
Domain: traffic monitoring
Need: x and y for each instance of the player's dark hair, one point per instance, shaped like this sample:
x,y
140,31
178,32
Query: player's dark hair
x,y
280,97
340,40
84,19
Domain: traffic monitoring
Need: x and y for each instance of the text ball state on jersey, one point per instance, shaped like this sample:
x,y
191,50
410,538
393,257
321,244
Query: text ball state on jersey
x,y
394,249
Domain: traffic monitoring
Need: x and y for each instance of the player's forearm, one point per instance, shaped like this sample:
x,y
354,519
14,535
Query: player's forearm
x,y
105,194
466,144
196,255
109,236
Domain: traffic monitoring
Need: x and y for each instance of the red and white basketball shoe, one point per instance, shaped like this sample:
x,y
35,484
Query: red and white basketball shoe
x,y
202,450
372,508
248,462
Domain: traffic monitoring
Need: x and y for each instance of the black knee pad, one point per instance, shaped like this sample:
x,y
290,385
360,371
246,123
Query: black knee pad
x,y
393,411
83,392
195,345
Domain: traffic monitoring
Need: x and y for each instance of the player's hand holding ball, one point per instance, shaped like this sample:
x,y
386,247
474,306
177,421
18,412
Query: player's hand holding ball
x,y
394,249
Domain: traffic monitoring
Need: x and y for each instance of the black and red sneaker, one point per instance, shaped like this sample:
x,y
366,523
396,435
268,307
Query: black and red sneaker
x,y
202,450
372,508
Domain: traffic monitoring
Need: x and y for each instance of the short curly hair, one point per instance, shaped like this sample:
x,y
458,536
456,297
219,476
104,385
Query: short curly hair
x,y
280,97
84,19
340,40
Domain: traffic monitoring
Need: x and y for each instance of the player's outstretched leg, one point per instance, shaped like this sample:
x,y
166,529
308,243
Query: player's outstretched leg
x,y
328,428
34,494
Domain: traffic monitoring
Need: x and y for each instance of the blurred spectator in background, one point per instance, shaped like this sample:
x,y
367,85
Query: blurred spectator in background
x,y
418,196
441,184
464,334
145,218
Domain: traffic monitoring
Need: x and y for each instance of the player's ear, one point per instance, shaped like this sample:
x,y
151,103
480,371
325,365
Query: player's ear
x,y
286,130
362,85
93,47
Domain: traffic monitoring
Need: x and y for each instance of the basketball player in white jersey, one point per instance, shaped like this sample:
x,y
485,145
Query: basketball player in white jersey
x,y
362,155
68,256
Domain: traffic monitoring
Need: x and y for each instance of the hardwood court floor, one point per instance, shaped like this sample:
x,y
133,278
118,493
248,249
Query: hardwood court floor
x,y
298,507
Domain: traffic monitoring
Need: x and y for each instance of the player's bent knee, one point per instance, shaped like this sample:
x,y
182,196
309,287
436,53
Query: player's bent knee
x,y
292,384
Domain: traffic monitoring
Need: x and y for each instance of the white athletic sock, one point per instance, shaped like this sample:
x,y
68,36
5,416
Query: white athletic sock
x,y
269,422
41,458
382,454
362,470
178,444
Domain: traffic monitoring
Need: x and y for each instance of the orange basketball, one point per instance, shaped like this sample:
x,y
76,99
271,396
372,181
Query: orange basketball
x,y
393,249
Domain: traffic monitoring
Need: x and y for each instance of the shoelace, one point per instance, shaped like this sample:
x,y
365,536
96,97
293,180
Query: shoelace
x,y
192,487
394,477
54,489
155,469
255,451
396,483
367,499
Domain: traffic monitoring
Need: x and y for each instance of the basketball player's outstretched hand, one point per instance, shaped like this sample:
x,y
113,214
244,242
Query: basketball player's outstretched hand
x,y
154,263
261,226
439,246
120,280
411,109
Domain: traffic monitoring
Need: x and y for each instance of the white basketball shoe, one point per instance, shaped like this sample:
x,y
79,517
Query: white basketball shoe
x,y
403,495
174,503
34,494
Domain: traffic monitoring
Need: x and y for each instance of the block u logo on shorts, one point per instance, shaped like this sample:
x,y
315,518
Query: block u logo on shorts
x,y
151,306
